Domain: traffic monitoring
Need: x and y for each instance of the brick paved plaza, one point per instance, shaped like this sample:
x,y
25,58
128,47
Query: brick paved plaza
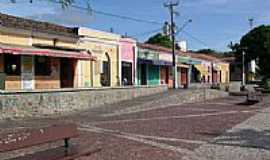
x,y
215,129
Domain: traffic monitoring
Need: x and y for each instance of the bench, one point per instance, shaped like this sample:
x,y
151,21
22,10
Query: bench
x,y
32,137
254,97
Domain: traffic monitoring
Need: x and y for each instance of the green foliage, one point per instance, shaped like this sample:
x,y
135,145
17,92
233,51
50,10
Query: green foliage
x,y
211,52
236,51
256,44
160,40
206,51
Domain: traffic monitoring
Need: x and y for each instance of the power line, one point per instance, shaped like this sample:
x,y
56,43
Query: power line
x,y
147,32
195,38
90,10
112,14
130,19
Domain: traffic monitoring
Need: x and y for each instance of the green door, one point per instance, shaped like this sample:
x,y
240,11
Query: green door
x,y
153,75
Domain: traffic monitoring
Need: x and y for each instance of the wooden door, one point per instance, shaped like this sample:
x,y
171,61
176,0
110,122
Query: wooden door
x,y
164,75
184,77
67,73
215,77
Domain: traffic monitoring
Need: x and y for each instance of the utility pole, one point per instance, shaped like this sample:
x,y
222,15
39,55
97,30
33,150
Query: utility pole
x,y
252,63
171,6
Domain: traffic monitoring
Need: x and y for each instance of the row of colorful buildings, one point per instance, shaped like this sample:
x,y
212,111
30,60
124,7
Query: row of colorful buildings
x,y
38,55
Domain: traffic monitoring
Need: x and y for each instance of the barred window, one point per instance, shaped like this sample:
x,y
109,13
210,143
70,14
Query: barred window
x,y
42,66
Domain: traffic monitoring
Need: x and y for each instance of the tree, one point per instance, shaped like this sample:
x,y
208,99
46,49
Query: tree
x,y
160,40
235,51
256,44
210,52
207,51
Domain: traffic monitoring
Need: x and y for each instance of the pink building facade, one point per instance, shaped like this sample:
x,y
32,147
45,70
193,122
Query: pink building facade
x,y
128,61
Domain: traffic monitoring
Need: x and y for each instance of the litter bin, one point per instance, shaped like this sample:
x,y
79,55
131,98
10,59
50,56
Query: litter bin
x,y
2,80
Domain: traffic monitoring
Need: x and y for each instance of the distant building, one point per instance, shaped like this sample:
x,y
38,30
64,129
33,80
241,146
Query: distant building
x,y
183,46
236,69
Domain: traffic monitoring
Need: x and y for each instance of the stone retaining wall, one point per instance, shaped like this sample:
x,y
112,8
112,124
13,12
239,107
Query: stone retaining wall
x,y
174,98
193,96
31,104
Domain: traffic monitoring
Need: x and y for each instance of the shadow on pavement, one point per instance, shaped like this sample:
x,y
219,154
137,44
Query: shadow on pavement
x,y
245,138
247,103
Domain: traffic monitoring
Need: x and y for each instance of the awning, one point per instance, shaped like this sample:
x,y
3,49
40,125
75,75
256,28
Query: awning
x,y
144,61
154,62
201,69
162,63
188,60
194,62
24,50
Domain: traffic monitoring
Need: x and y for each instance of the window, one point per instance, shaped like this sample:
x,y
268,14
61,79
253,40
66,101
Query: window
x,y
42,66
12,64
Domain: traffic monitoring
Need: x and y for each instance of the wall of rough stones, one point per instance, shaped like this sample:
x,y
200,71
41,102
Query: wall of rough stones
x,y
32,104
191,96
36,104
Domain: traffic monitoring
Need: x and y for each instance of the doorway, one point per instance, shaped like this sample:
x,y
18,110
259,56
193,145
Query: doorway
x,y
67,67
105,77
215,77
184,77
126,73
143,74
27,72
220,77
164,75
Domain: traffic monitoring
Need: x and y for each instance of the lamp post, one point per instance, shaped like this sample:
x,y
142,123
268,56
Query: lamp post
x,y
243,71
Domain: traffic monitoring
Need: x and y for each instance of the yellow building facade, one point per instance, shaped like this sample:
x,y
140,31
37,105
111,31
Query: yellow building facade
x,y
104,71
50,81
225,72
37,55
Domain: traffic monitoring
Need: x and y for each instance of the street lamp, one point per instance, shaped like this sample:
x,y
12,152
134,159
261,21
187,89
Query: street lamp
x,y
243,71
184,26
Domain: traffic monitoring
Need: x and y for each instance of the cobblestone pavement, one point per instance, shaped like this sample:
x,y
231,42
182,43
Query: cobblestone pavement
x,y
212,130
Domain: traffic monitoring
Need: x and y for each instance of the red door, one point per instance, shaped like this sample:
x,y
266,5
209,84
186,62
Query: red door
x,y
215,77
164,75
67,72
184,77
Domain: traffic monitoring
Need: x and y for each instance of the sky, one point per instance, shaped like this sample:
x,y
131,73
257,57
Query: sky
x,y
215,23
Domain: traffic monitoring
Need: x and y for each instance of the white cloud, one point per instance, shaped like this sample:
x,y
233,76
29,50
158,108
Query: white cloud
x,y
70,17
